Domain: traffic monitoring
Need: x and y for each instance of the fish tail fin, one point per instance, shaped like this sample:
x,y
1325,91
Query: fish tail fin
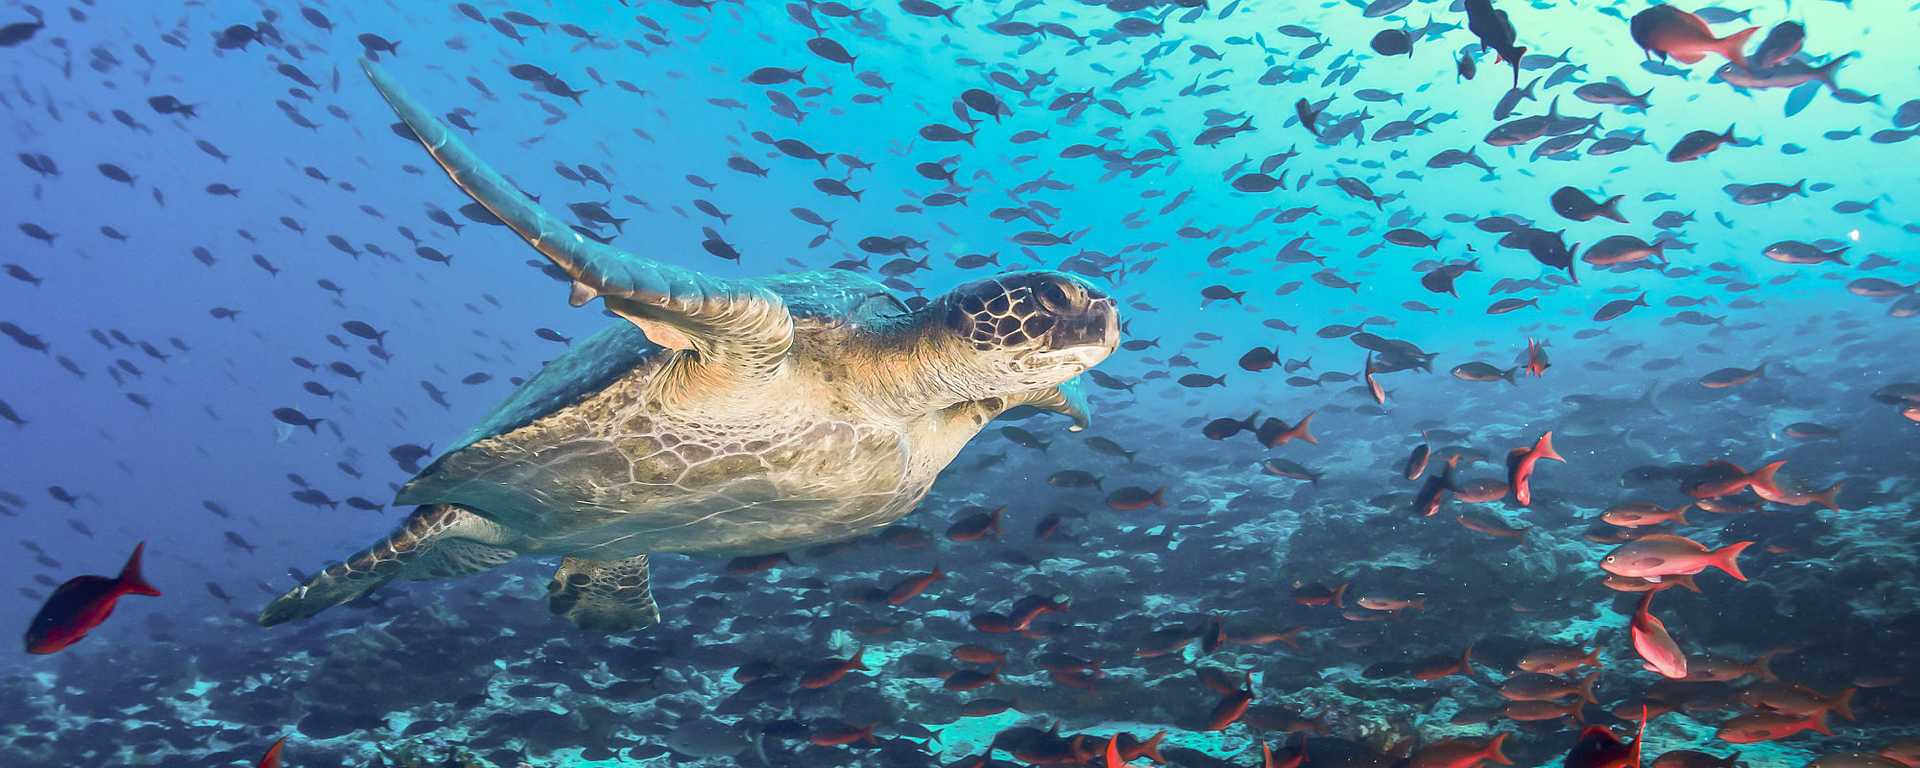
x,y
1159,497
1508,375
1763,666
1340,595
1493,750
1544,448
1151,747
1640,738
1819,723
1734,46
1680,513
1687,583
313,425
272,756
1824,72
131,581
1843,704
1728,558
1765,478
1304,428
1586,689
1827,498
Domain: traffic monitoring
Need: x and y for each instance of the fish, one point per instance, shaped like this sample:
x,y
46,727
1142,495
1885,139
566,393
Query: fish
x,y
1521,463
1496,32
82,603
1657,556
1656,648
1671,32
272,757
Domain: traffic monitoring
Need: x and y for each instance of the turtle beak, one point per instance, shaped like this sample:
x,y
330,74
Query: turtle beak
x,y
1093,328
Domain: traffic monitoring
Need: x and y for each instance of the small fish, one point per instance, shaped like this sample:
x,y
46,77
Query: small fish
x,y
1521,463
83,603
1657,556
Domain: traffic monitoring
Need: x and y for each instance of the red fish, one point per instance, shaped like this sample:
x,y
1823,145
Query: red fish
x,y
1656,556
828,672
1290,637
1433,492
1295,760
1774,493
1275,433
975,654
1441,667
840,735
1657,648
977,526
1378,392
1669,31
1770,726
81,604
1460,753
912,586
1725,478
1536,358
1231,708
272,758
1597,747
1520,464
1132,748
1316,594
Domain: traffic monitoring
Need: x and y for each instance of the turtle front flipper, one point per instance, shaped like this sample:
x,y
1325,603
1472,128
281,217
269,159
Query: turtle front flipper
x,y
437,541
604,595
1067,399
737,324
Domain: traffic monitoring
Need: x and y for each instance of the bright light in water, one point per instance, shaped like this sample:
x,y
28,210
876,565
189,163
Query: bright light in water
x,y
1854,235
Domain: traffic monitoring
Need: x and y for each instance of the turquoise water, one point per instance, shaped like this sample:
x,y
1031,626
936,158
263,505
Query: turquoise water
x,y
206,237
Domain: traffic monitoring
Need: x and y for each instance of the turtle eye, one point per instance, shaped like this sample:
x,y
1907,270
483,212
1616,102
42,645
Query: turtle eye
x,y
1054,296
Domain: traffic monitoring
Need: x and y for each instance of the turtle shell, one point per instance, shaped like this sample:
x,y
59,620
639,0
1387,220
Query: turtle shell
x,y
831,298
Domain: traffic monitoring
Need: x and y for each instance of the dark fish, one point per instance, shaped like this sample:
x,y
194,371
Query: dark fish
x,y
1495,31
20,32
294,417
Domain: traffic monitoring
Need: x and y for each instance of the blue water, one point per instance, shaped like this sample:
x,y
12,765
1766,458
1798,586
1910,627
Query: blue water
x,y
666,103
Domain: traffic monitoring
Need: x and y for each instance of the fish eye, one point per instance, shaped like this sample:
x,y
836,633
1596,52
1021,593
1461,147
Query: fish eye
x,y
1054,296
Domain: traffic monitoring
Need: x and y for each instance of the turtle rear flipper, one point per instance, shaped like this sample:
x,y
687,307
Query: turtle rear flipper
x,y
436,541
604,595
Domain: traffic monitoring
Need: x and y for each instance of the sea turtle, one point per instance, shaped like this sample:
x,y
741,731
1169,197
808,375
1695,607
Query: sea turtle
x,y
729,416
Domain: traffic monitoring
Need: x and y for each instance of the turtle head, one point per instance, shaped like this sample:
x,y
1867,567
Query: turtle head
x,y
1021,331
